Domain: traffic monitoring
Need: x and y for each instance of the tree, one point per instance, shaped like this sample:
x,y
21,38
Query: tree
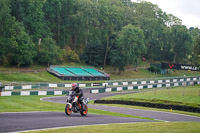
x,y
196,57
172,20
49,53
16,45
30,13
181,43
72,23
129,49
151,20
166,53
23,50
6,21
110,19
195,34
93,53
53,18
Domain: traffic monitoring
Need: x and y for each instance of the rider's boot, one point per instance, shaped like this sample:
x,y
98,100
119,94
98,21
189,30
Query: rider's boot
x,y
74,107
83,107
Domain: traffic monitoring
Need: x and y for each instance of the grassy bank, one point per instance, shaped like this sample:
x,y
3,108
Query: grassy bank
x,y
189,96
157,127
46,77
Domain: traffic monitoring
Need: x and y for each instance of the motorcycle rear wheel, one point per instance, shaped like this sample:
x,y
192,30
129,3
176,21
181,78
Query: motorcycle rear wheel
x,y
84,113
68,111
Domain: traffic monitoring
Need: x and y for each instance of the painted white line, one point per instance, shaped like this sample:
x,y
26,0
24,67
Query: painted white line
x,y
166,112
161,120
41,99
25,112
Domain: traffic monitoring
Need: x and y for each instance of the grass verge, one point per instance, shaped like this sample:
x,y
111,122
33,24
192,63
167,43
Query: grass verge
x,y
188,96
28,103
157,127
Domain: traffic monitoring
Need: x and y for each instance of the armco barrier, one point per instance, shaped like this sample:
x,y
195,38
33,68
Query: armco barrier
x,y
28,93
114,86
159,85
113,83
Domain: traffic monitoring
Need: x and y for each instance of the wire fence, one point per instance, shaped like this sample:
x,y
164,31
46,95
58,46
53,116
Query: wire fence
x,y
21,71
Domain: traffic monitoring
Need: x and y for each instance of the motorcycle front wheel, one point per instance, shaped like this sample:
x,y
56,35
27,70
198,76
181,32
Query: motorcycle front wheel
x,y
84,113
68,111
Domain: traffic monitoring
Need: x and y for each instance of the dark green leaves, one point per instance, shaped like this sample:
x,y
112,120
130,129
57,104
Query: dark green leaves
x,y
130,47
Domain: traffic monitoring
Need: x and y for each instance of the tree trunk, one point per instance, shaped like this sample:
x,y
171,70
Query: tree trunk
x,y
119,72
106,52
58,32
175,58
74,40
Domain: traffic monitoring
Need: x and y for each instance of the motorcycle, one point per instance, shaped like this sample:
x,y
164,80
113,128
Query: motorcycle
x,y
73,105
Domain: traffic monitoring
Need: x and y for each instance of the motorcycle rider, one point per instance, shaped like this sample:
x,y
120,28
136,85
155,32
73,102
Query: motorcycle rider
x,y
79,93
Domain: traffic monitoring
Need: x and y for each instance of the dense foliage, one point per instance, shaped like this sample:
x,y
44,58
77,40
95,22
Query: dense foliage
x,y
98,32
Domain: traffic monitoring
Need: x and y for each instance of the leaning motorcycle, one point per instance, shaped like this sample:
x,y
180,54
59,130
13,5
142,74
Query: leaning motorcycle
x,y
73,105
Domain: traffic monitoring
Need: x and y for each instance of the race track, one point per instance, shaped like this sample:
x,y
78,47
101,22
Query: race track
x,y
163,116
14,122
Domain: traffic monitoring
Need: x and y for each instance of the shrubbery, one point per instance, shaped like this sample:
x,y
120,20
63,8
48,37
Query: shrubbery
x,y
154,69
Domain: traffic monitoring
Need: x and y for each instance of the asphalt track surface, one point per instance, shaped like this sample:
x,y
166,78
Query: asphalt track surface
x,y
14,122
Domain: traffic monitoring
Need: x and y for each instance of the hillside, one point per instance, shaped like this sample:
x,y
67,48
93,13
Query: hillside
x,y
39,74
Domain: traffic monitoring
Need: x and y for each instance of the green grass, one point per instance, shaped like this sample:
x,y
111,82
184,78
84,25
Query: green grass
x,y
28,103
143,73
189,96
46,77
157,127
29,77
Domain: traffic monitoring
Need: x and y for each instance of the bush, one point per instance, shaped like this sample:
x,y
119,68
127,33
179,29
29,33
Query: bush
x,y
49,53
154,69
72,56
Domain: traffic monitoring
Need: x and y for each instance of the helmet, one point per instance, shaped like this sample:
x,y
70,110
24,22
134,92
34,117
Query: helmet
x,y
74,86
